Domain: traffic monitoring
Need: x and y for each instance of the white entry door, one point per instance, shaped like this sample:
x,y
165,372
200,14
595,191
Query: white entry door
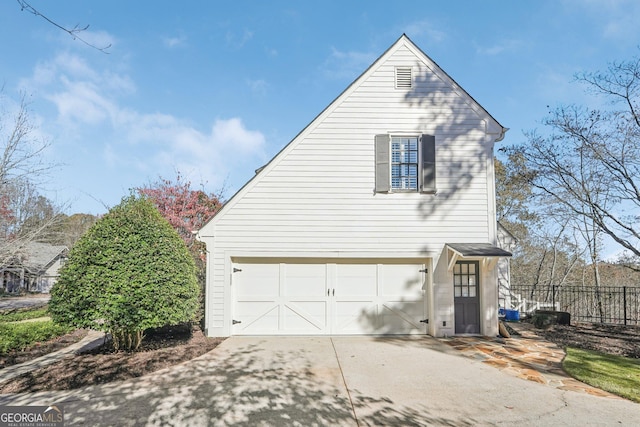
x,y
316,298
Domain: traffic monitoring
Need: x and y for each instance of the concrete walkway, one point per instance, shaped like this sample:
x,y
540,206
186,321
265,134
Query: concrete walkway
x,y
337,381
91,340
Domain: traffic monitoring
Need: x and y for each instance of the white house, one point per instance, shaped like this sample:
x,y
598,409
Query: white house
x,y
34,268
508,242
377,218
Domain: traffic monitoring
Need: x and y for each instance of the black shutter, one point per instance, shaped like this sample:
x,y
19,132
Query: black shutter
x,y
383,179
428,163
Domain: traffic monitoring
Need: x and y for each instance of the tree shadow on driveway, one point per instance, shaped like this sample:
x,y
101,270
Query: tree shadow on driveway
x,y
257,382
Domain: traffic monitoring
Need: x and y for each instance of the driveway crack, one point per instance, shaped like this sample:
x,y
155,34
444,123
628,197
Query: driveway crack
x,y
344,381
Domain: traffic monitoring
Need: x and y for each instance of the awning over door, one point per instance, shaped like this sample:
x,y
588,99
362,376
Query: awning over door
x,y
488,252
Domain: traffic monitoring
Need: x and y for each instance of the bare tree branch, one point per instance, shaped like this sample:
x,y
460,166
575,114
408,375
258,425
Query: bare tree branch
x,y
25,215
589,160
73,32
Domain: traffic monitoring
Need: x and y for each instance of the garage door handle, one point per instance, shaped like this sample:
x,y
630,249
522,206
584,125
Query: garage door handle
x,y
334,292
328,292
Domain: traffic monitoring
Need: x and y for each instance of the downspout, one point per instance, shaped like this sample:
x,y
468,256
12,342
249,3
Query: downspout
x,y
205,297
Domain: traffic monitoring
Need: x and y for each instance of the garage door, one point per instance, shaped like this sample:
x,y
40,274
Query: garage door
x,y
316,298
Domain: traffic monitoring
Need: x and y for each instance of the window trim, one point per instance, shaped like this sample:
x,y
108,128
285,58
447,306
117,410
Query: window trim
x,y
427,162
402,163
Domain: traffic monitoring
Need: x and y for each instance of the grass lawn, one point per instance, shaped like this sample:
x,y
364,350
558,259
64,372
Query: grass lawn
x,y
18,335
615,374
17,316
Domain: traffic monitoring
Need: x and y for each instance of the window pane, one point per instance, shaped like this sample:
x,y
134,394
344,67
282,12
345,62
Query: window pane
x,y
465,291
404,163
472,291
457,292
409,156
472,269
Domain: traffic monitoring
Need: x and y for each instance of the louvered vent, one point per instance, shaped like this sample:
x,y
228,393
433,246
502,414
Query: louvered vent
x,y
403,78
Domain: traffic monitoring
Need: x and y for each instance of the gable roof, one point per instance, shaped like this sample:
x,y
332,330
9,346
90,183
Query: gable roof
x,y
38,256
507,233
404,40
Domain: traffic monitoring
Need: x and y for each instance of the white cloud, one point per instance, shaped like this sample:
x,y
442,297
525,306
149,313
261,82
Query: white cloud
x,y
99,39
259,87
238,40
90,106
81,94
614,19
502,46
271,52
347,65
424,29
232,133
81,102
172,42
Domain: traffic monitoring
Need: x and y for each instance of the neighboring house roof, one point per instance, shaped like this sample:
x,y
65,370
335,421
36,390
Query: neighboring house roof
x,y
39,256
503,229
494,127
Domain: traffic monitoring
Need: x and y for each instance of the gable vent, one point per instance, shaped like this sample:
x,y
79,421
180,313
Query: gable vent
x,y
403,78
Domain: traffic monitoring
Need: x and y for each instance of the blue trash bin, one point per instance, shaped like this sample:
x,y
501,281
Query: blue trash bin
x,y
512,315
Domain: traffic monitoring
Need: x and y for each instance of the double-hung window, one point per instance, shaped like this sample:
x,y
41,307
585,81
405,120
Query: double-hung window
x,y
405,163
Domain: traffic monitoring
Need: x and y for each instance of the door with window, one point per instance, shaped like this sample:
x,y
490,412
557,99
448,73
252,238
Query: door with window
x,y
466,291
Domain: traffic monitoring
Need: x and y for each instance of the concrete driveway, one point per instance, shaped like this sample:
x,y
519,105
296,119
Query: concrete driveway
x,y
332,381
11,303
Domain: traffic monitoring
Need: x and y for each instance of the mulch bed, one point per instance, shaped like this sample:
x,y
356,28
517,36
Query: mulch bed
x,y
170,346
611,339
160,349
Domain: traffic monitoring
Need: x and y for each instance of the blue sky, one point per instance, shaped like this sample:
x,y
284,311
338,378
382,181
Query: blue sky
x,y
214,89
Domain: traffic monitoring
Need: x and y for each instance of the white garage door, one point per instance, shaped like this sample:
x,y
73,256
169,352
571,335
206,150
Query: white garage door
x,y
315,298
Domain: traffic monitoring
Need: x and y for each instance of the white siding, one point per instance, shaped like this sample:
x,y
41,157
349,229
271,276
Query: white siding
x,y
317,196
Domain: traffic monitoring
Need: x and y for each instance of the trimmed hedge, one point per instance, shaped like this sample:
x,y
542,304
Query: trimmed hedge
x,y
129,272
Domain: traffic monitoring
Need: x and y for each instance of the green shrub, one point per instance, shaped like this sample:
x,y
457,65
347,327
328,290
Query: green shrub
x,y
19,336
129,272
